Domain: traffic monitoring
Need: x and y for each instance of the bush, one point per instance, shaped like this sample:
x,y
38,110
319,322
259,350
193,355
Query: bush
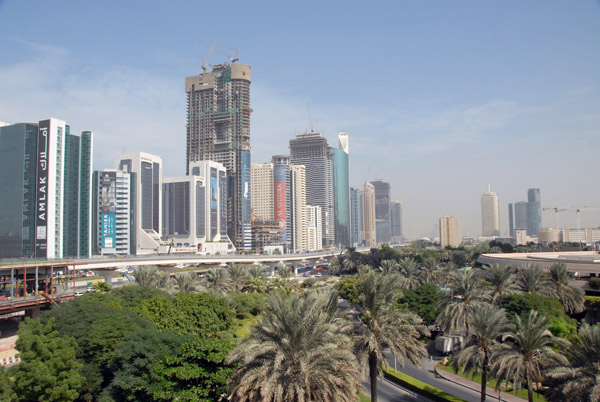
x,y
247,305
594,283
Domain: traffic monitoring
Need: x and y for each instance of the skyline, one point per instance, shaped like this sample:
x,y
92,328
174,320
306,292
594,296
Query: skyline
x,y
423,90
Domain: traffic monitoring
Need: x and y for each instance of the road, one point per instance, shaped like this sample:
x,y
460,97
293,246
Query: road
x,y
389,392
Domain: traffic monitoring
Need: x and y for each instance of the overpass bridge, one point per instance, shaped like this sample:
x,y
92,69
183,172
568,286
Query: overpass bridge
x,y
22,280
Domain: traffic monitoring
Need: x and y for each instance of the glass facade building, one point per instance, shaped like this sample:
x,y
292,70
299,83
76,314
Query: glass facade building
x,y
534,211
355,217
341,192
383,222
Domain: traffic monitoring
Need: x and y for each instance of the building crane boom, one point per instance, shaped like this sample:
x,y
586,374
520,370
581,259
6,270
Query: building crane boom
x,y
211,47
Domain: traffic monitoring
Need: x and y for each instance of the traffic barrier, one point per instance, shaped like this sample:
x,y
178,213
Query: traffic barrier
x,y
10,360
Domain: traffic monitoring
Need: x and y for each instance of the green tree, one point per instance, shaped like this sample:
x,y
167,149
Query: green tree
x,y
389,267
255,285
348,289
487,323
150,276
409,272
102,287
257,272
425,301
527,351
300,350
429,271
571,298
132,362
284,271
580,379
49,370
197,372
6,392
530,278
247,304
186,282
386,325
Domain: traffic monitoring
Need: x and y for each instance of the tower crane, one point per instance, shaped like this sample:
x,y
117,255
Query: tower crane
x,y
233,59
556,210
211,47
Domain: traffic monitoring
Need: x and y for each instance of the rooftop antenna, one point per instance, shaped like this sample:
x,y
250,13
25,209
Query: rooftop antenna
x,y
211,47
309,117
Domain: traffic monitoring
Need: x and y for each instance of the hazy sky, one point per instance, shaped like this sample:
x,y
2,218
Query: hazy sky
x,y
440,98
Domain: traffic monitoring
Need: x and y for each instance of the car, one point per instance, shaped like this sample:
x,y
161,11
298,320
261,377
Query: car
x,y
78,294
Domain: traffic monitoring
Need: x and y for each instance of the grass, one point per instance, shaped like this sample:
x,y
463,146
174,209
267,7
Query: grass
x,y
363,398
243,330
521,393
420,387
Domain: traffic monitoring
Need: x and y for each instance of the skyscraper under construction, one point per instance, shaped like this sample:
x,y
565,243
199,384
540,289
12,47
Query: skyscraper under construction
x,y
218,129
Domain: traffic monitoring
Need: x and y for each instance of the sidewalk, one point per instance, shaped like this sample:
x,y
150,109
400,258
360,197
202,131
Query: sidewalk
x,y
492,394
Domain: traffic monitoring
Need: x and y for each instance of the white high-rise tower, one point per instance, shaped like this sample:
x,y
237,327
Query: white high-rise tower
x,y
490,222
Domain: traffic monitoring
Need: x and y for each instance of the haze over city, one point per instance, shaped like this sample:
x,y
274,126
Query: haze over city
x,y
440,99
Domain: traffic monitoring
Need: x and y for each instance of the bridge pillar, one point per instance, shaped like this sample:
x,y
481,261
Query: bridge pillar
x,y
32,312
107,273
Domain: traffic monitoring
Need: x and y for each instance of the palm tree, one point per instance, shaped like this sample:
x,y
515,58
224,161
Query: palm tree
x,y
429,271
580,380
467,293
501,281
487,323
255,285
527,351
284,271
217,280
239,275
256,271
571,298
530,278
409,270
186,282
150,276
300,350
385,325
388,267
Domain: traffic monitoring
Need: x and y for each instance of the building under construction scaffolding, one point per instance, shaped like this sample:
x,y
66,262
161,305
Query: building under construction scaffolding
x,y
218,129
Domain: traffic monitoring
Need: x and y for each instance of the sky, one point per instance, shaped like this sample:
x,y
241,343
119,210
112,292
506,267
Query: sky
x,y
439,98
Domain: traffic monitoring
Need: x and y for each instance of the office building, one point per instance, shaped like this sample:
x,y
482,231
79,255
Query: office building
x,y
534,211
490,220
520,215
511,221
218,129
262,192
369,228
356,217
45,180
281,195
521,237
314,227
449,232
396,221
148,177
341,184
77,217
195,210
382,211
312,151
114,214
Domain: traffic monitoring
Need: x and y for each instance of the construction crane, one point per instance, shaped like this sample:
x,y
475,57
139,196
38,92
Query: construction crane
x,y
556,210
211,47
231,58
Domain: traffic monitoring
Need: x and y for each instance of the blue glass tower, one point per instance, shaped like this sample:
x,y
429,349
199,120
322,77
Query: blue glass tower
x,y
341,192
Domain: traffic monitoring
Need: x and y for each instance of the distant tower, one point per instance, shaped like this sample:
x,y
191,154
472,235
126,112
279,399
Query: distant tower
x,y
262,194
511,221
218,129
490,222
341,183
382,211
397,221
449,232
312,151
356,216
520,215
534,211
369,231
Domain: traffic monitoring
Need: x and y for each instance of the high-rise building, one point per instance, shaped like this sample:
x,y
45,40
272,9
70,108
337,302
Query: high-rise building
x,y
369,228
297,209
281,196
341,183
520,215
18,156
218,129
77,219
449,232
148,170
534,211
490,221
511,221
382,211
397,221
114,202
312,151
262,192
314,233
356,216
